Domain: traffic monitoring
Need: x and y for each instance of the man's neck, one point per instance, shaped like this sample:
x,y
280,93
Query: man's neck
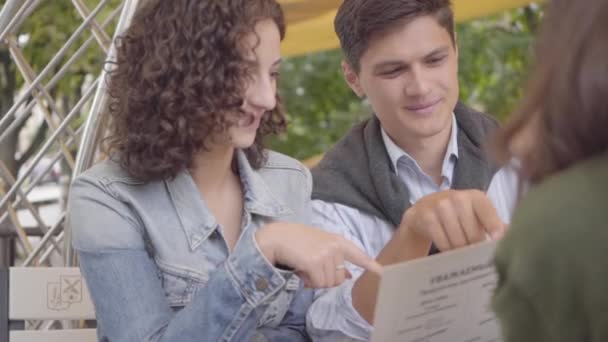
x,y
428,152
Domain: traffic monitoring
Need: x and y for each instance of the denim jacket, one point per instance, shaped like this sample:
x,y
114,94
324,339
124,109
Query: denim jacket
x,y
158,268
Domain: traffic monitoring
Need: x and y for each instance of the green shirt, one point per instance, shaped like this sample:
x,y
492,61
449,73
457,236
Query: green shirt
x,y
553,262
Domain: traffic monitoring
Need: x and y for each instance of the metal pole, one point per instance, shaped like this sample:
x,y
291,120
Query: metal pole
x,y
86,152
11,11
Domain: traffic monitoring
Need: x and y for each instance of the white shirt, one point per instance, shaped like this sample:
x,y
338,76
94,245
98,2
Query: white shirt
x,y
332,316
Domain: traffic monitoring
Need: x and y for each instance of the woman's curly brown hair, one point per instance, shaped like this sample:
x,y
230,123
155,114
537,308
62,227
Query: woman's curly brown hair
x,y
179,80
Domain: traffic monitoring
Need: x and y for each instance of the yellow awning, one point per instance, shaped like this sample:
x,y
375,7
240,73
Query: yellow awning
x,y
310,22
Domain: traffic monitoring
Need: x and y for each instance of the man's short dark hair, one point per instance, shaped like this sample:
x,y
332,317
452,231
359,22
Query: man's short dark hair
x,y
358,21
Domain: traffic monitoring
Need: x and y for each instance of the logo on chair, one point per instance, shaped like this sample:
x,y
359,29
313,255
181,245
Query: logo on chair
x,y
64,293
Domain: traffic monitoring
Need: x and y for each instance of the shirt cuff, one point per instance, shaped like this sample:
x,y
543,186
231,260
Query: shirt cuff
x,y
257,279
332,316
362,329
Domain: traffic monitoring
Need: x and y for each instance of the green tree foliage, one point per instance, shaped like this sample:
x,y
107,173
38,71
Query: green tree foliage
x,y
320,105
494,59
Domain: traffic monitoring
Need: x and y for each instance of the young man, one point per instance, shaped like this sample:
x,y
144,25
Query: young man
x,y
413,178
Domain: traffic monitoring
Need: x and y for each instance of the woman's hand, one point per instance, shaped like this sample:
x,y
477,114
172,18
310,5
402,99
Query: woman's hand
x,y
318,257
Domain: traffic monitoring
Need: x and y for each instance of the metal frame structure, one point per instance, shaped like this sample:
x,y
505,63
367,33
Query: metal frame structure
x,y
68,141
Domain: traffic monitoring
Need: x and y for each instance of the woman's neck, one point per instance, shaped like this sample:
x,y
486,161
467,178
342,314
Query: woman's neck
x,y
212,169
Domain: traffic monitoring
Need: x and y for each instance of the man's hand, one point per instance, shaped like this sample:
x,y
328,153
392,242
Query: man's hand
x,y
452,219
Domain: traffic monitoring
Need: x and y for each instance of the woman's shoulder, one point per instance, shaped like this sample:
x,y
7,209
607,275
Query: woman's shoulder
x,y
107,184
285,167
565,212
287,178
579,187
107,171
279,161
100,216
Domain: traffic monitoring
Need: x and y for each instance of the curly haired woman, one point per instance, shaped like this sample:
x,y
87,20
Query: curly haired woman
x,y
191,230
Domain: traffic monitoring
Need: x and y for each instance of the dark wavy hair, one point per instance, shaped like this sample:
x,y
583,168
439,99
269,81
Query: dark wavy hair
x,y
179,80
567,96
358,22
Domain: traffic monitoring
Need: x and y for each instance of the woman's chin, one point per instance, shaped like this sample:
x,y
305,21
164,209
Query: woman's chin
x,y
243,141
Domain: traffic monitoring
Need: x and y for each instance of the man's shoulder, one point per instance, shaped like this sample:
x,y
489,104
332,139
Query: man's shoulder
x,y
352,139
350,145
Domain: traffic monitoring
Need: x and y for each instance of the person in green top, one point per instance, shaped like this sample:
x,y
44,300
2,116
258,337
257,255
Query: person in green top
x,y
553,262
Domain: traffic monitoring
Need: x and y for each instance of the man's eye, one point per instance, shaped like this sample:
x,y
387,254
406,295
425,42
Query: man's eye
x,y
391,72
436,60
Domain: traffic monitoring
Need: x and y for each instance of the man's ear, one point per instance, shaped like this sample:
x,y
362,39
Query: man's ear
x,y
352,79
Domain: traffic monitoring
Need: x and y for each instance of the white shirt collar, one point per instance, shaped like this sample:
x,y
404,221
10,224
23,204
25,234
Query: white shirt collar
x,y
395,152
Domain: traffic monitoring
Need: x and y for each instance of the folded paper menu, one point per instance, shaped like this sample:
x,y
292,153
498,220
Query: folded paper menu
x,y
440,298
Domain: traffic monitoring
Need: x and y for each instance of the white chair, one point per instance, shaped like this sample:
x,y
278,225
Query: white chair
x,y
44,293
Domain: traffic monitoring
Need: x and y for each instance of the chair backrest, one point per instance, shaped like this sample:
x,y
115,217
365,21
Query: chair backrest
x,y
46,293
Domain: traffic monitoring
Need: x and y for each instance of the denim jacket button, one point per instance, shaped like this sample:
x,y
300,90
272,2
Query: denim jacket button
x,y
261,284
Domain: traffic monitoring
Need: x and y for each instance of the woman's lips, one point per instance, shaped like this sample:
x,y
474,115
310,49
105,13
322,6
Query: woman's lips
x,y
246,120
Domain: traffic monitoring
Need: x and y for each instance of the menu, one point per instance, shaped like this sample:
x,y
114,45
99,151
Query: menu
x,y
440,298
